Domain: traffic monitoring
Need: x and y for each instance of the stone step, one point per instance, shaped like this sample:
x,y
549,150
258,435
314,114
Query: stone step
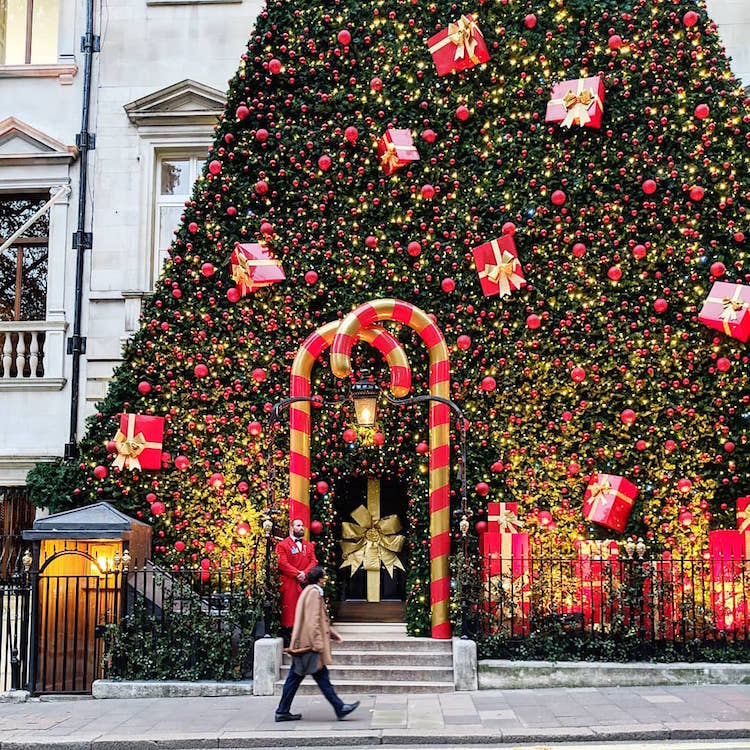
x,y
370,657
412,645
352,688
384,673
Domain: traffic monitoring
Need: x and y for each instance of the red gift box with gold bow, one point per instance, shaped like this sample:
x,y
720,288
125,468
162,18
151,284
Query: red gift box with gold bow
x,y
598,578
254,267
498,266
608,501
743,524
502,518
577,102
727,309
459,47
396,148
139,442
729,598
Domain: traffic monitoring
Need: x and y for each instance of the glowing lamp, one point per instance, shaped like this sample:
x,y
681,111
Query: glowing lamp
x,y
365,394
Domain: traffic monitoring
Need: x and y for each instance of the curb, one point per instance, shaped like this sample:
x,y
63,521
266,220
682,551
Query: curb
x,y
291,739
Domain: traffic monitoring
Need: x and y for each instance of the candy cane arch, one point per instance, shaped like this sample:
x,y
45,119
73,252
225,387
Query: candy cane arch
x,y
351,326
299,413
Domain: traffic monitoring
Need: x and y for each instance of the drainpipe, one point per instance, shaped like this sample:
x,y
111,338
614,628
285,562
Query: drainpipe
x,y
82,240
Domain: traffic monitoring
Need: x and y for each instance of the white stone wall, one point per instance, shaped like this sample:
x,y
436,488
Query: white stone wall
x,y
733,19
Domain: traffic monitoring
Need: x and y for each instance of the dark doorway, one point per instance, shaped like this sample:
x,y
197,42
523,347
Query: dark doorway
x,y
372,596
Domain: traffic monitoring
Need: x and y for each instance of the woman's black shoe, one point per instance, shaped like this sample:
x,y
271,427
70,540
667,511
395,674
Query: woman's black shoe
x,y
288,717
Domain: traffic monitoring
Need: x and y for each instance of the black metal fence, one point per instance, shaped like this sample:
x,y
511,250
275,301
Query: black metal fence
x,y
606,597
59,633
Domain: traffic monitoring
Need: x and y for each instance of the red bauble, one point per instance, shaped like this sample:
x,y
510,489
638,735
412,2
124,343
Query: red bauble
x,y
200,370
639,251
690,18
697,193
216,480
649,187
321,487
702,111
496,467
545,518
660,305
414,249
670,445
255,428
376,84
509,228
482,489
568,415
207,269
324,162
614,273
684,485
243,528
150,498
371,241
214,166
462,112
429,135
311,277
261,187
723,364
261,134
181,463
243,486
259,375
378,439
351,134
489,384
578,374
204,575
718,269
685,518
205,563
428,192
344,37
192,227
266,228
422,448
242,112
739,236
481,527
463,342
533,321
558,197
158,508
530,21
627,416
729,446
350,435
614,42
447,285
579,250
144,387
100,472
641,445
233,294
316,527
179,546
274,66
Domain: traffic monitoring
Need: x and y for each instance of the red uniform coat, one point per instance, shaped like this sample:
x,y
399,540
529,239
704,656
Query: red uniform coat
x,y
291,561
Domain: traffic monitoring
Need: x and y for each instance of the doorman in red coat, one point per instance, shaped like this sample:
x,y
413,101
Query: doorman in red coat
x,y
296,557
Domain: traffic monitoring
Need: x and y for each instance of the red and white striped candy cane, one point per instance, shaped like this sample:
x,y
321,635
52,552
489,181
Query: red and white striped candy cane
x,y
299,413
360,319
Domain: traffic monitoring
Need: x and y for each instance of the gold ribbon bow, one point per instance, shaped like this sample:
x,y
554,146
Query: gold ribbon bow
x,y
389,159
504,271
392,156
508,521
374,542
743,520
600,490
242,274
577,104
130,446
465,35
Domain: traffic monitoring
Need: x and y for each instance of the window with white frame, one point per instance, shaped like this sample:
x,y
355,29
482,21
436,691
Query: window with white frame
x,y
175,174
23,265
28,31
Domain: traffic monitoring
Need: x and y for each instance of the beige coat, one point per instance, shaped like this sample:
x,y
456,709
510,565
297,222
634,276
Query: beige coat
x,y
312,631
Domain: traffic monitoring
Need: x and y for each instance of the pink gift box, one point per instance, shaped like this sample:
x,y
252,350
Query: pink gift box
x,y
608,501
727,309
254,267
577,102
396,148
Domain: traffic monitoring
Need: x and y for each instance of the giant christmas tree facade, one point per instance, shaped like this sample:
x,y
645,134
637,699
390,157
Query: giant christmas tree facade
x,y
581,359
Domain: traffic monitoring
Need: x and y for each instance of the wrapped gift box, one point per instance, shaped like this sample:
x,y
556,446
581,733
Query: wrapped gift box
x,y
728,595
396,148
577,102
139,442
254,267
458,47
498,266
727,309
502,518
743,524
506,575
599,581
608,501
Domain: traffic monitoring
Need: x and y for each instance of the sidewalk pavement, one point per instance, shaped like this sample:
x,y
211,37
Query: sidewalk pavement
x,y
705,712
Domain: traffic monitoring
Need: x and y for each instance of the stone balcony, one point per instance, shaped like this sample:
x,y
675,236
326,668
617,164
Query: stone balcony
x,y
32,354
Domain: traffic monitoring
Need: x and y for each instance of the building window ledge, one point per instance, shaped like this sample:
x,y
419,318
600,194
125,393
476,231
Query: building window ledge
x,y
37,384
64,72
